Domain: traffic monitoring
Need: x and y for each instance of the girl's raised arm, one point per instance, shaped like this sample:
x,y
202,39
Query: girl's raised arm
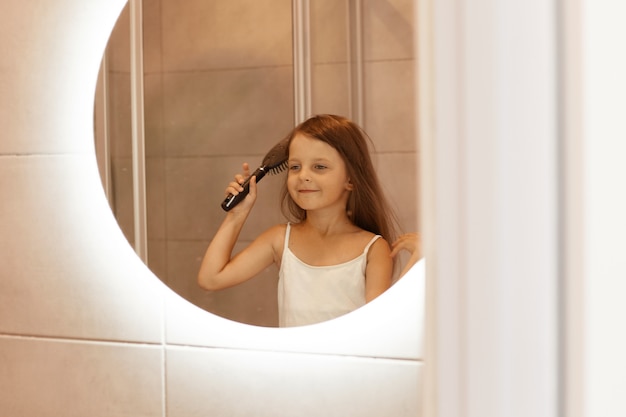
x,y
219,269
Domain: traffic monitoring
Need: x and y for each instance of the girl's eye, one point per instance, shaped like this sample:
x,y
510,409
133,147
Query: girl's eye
x,y
320,167
294,167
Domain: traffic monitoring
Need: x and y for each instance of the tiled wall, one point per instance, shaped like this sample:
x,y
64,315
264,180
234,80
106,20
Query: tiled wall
x,y
87,330
219,91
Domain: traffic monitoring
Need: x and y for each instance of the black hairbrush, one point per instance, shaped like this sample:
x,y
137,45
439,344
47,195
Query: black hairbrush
x,y
274,162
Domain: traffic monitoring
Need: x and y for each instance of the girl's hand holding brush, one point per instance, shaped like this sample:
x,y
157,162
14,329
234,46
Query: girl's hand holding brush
x,y
236,187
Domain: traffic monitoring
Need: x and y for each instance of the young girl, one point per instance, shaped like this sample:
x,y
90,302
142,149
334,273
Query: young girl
x,y
334,256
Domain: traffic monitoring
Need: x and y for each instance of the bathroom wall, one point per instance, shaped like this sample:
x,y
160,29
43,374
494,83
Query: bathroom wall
x,y
219,91
87,330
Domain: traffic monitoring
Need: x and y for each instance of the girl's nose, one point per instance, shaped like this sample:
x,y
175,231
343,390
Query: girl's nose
x,y
304,175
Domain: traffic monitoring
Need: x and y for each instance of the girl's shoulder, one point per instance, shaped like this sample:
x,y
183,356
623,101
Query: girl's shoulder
x,y
366,234
274,233
363,238
376,243
273,238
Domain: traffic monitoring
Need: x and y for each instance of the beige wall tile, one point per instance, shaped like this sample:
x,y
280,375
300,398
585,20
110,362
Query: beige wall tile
x,y
398,172
330,89
226,112
28,97
329,34
390,105
64,272
157,258
388,29
208,381
200,35
153,114
156,198
152,36
43,377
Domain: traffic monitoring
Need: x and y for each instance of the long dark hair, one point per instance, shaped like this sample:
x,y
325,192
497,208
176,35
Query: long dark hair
x,y
367,206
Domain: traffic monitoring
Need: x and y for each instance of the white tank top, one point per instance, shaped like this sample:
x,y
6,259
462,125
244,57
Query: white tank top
x,y
310,294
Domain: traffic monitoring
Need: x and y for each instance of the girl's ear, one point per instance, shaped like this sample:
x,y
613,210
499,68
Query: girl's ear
x,y
349,185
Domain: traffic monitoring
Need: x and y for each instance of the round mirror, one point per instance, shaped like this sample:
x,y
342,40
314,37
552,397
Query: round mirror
x,y
221,84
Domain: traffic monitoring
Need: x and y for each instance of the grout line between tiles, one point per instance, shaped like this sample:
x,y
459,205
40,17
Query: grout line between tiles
x,y
293,352
43,154
163,345
76,340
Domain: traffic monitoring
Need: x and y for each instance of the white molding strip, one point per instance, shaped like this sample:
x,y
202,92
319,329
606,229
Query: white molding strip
x,y
301,60
138,133
355,38
101,127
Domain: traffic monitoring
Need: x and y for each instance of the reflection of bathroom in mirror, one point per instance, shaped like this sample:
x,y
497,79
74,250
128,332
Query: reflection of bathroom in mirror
x,y
222,82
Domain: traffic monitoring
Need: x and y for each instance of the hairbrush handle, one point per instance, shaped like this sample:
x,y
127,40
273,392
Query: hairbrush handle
x,y
232,200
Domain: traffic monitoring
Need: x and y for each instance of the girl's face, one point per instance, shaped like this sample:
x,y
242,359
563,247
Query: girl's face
x,y
317,177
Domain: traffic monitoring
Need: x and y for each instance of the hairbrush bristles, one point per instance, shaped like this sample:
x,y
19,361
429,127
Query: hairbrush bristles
x,y
278,169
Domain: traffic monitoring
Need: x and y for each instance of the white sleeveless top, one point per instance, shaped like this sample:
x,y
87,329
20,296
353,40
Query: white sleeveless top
x,y
310,294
